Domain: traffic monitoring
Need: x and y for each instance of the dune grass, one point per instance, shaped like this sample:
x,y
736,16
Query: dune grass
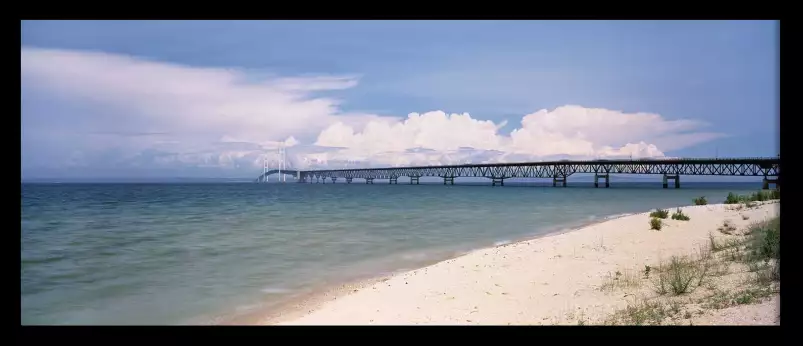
x,y
656,224
660,213
678,215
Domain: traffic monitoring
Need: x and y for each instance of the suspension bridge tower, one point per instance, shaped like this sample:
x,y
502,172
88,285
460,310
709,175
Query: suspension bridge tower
x,y
279,161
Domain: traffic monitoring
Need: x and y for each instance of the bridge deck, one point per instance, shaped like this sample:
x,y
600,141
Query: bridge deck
x,y
559,170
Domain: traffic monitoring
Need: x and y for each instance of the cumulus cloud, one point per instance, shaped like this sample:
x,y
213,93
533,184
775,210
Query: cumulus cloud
x,y
565,132
143,113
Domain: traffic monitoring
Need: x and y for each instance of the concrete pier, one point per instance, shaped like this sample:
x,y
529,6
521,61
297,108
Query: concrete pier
x,y
449,180
394,180
495,180
667,177
369,180
607,179
414,180
765,183
348,180
558,179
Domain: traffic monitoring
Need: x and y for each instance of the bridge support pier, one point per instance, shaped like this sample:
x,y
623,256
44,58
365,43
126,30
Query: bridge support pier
x,y
348,180
369,180
449,180
558,179
495,180
675,177
765,184
607,179
334,180
394,180
414,180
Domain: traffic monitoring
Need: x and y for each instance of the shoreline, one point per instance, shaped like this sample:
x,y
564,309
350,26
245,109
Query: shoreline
x,y
314,297
322,307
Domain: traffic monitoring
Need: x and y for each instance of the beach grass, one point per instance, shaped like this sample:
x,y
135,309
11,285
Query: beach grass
x,y
656,223
660,213
678,215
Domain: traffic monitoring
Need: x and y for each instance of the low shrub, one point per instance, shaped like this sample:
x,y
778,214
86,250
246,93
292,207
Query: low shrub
x,y
678,215
700,201
681,275
660,213
733,198
656,224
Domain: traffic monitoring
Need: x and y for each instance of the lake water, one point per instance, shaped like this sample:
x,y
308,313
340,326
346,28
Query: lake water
x,y
213,253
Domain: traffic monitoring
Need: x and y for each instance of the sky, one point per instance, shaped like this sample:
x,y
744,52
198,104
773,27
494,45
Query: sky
x,y
215,98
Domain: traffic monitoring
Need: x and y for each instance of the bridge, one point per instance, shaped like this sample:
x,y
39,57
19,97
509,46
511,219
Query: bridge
x,y
559,171
264,176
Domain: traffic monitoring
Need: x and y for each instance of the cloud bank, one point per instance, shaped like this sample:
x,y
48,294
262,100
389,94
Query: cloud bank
x,y
142,113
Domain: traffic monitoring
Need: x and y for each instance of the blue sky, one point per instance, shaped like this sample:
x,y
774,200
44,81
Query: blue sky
x,y
210,98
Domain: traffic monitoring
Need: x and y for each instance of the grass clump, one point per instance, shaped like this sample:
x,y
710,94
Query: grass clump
x,y
656,224
645,313
620,280
764,242
721,299
724,244
763,254
727,227
760,196
660,213
733,198
681,275
678,215
700,201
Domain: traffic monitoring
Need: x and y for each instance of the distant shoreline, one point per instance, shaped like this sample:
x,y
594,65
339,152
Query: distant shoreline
x,y
449,291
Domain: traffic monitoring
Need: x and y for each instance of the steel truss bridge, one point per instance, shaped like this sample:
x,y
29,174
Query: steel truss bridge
x,y
558,171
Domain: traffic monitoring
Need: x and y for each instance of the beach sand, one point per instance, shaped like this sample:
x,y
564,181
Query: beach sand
x,y
567,278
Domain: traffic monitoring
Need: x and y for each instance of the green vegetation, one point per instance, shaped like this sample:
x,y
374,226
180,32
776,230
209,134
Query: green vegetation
x,y
652,313
727,227
764,250
765,240
660,213
760,196
677,281
681,275
678,215
656,224
733,198
724,244
700,201
619,280
721,300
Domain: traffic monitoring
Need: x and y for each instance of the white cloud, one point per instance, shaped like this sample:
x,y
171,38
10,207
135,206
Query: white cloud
x,y
167,115
565,132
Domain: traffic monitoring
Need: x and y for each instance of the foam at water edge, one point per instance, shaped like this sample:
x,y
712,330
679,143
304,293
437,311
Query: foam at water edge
x,y
502,242
616,216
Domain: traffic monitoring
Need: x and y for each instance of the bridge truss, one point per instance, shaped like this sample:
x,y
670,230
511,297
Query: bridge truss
x,y
559,171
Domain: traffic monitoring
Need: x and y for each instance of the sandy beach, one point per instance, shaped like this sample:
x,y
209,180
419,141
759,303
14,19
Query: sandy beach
x,y
605,273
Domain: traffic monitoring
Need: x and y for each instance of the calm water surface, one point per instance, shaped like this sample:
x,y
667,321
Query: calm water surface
x,y
212,253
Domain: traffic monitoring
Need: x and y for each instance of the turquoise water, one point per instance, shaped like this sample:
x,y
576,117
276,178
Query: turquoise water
x,y
215,253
